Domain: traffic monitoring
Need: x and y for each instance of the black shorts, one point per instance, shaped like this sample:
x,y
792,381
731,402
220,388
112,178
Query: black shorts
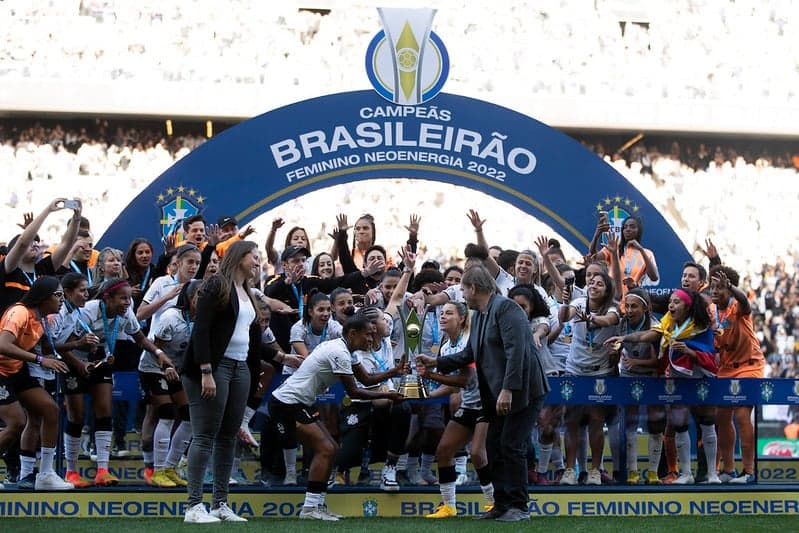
x,y
76,384
468,418
11,386
354,416
286,417
157,385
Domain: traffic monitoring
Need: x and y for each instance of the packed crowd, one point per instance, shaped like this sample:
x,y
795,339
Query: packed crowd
x,y
676,50
87,313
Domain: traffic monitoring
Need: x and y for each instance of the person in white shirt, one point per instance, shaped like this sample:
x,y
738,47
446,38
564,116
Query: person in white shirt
x,y
293,413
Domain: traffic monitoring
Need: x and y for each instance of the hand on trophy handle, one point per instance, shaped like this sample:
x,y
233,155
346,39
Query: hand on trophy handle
x,y
421,370
403,368
426,360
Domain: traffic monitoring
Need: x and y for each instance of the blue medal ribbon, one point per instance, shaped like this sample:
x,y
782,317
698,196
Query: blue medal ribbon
x,y
72,309
144,281
77,269
31,281
629,264
110,336
722,324
298,295
48,333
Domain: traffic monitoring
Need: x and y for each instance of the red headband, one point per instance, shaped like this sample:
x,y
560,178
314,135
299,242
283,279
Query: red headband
x,y
684,296
111,288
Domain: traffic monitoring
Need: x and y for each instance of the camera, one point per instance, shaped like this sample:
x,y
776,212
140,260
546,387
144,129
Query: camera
x,y
71,204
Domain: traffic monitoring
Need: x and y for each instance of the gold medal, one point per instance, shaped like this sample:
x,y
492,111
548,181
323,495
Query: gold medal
x,y
435,348
567,340
346,401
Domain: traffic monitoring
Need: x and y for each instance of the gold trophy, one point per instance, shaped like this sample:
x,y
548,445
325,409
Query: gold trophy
x,y
412,385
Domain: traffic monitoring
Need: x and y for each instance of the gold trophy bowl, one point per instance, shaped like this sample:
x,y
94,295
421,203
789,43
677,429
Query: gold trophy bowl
x,y
413,388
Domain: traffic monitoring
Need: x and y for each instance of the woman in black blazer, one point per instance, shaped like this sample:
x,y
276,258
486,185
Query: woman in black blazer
x,y
222,359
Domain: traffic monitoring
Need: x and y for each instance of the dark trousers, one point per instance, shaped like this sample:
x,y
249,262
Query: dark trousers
x,y
506,444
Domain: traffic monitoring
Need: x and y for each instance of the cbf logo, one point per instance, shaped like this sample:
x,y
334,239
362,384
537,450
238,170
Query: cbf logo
x,y
669,387
796,387
406,62
177,204
369,508
637,390
735,387
617,208
599,386
566,390
702,391
766,391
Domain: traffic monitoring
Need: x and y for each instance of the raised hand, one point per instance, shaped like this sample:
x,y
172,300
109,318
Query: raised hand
x,y
376,264
214,234
27,218
613,243
341,222
408,257
249,230
710,249
542,242
722,280
413,224
277,224
476,221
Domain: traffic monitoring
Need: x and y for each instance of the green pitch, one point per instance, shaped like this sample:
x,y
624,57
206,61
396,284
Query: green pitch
x,y
674,524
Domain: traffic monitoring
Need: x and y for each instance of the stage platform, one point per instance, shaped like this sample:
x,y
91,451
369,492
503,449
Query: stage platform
x,y
251,501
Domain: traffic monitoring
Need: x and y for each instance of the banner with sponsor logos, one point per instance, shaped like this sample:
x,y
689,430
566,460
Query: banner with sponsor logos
x,y
264,505
605,390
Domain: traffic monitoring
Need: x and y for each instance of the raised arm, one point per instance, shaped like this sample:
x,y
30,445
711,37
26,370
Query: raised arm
x,y
413,231
602,225
543,247
477,224
15,254
64,248
408,263
271,253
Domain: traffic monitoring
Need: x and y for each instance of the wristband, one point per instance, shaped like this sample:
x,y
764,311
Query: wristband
x,y
39,359
205,371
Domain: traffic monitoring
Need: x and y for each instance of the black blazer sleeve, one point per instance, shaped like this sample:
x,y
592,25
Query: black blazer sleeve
x,y
344,255
205,317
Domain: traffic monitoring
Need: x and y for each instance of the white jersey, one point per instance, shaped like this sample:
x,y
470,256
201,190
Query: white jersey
x,y
319,371
92,316
588,355
374,362
504,281
175,330
301,332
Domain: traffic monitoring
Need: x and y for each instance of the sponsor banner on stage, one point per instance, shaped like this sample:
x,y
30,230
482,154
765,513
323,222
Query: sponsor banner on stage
x,y
272,505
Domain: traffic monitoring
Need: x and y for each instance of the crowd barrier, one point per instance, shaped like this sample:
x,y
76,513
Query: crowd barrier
x,y
573,390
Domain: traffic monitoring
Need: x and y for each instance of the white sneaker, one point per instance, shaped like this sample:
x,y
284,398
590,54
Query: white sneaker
x,y
291,478
331,513
225,514
317,513
594,477
684,479
569,477
51,481
462,479
712,479
388,479
232,481
197,514
2,487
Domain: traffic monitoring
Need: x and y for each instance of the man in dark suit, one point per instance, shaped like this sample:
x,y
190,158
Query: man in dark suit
x,y
512,387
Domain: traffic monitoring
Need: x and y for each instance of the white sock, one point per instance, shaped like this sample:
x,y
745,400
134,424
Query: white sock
x,y
683,442
180,441
710,442
557,454
161,438
544,455
460,464
26,465
413,466
147,457
427,463
632,450
402,462
488,492
582,449
448,493
248,414
313,499
290,460
614,441
71,451
102,441
46,464
655,448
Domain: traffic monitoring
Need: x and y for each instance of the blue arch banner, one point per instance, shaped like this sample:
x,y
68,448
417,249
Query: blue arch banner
x,y
352,136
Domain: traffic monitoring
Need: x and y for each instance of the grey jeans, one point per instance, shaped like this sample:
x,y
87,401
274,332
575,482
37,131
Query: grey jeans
x,y
214,425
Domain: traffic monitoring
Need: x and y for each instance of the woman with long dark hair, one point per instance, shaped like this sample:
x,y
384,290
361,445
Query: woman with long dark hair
x,y
222,358
21,327
595,316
